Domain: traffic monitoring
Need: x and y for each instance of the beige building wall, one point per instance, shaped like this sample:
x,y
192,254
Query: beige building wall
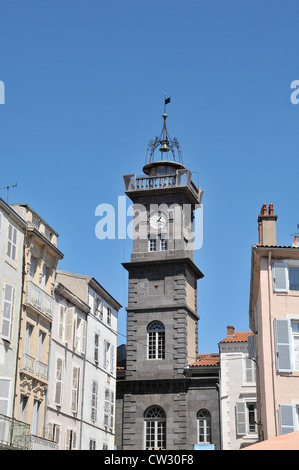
x,y
274,318
41,257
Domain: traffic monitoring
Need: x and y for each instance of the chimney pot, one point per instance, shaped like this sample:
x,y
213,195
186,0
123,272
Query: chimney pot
x,y
264,209
295,243
230,330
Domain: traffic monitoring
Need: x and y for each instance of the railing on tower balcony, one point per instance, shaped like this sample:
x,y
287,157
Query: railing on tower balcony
x,y
177,179
39,299
14,434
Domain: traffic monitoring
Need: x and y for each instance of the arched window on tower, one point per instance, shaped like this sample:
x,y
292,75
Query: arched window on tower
x,y
204,421
156,340
155,428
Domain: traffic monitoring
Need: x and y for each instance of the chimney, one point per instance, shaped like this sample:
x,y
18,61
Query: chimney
x,y
230,331
295,243
267,226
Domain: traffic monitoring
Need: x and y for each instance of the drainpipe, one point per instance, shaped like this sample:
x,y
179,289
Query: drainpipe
x,y
271,340
19,332
83,382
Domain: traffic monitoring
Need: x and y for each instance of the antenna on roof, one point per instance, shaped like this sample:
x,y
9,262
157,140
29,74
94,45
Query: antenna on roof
x,y
7,190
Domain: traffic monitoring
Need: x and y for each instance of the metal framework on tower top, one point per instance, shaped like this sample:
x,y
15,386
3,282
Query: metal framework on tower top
x,y
166,144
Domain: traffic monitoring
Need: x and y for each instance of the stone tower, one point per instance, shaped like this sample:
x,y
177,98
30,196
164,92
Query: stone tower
x,y
162,320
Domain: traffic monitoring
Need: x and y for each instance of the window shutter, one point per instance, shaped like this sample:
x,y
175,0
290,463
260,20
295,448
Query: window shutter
x,y
75,389
94,401
7,311
286,419
96,348
69,330
250,370
241,418
5,396
11,242
67,439
61,322
83,333
283,345
280,277
251,349
59,379
106,407
112,410
112,359
105,353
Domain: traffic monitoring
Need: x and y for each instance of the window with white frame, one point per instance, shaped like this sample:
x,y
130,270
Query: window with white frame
x,y
71,439
287,344
246,418
92,444
285,276
156,340
53,432
7,311
11,250
36,417
295,344
204,425
155,428
252,418
32,268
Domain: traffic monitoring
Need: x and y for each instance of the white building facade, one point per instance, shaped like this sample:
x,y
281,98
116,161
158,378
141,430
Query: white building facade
x,y
12,229
238,403
66,375
97,409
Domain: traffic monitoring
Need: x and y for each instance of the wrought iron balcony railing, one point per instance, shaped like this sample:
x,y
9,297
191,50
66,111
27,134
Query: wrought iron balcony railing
x,y
14,434
39,299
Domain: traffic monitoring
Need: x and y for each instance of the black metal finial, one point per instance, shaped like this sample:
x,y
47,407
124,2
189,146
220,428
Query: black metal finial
x,y
165,141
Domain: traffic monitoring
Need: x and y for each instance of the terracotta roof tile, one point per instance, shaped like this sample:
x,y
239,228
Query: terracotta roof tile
x,y
206,360
241,337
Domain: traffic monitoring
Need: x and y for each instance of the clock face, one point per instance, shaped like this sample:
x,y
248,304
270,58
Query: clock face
x,y
158,220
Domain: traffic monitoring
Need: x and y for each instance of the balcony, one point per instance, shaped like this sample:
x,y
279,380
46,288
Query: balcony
x,y
14,434
35,367
180,178
40,300
39,443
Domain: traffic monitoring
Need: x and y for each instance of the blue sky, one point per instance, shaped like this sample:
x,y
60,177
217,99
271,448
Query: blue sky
x,y
84,88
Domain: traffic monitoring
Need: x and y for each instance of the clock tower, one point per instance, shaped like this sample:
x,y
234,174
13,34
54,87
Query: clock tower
x,y
162,319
